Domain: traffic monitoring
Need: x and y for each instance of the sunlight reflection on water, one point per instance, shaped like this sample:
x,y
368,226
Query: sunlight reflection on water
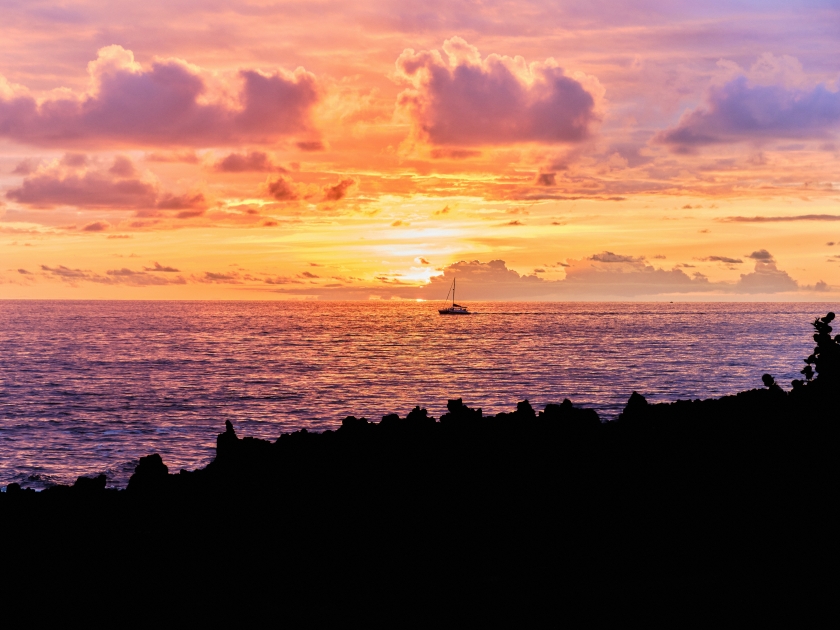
x,y
89,387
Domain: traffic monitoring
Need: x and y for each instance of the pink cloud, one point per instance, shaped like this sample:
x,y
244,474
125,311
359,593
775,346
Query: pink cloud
x,y
255,161
96,226
74,181
90,189
466,100
169,104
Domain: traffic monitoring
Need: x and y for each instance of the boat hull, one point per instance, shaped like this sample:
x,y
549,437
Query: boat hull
x,y
446,311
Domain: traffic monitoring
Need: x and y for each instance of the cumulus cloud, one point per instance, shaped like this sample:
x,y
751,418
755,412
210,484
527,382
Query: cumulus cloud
x,y
766,278
170,103
255,161
745,109
620,277
461,99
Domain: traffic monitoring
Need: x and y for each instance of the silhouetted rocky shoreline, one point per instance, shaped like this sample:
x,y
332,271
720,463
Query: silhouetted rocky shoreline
x,y
735,495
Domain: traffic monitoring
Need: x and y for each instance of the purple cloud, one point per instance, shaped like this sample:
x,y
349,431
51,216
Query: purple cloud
x,y
164,105
739,111
468,101
256,161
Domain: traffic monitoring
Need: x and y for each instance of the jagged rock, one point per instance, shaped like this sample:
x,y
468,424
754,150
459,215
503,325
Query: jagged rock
x,y
91,484
226,442
149,474
459,412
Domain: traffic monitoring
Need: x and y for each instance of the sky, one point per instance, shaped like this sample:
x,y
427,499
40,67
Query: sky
x,y
257,150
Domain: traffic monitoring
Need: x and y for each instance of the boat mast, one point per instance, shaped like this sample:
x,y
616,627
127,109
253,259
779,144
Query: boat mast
x,y
453,291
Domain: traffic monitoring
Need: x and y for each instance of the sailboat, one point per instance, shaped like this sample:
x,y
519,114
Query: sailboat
x,y
455,309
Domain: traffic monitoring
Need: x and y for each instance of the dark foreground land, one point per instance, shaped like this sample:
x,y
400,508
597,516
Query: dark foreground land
x,y
699,505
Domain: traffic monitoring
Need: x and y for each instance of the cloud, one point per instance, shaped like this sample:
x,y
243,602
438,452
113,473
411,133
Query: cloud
x,y
338,191
24,272
307,274
221,278
96,226
86,189
282,189
25,167
761,255
140,278
122,167
723,259
609,257
588,278
821,286
799,217
73,181
741,110
546,179
282,280
161,268
170,103
454,154
65,273
185,157
464,100
255,161
122,276
168,201
766,279
310,145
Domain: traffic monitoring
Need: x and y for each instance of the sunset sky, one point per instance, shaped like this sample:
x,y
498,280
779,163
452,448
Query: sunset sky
x,y
651,150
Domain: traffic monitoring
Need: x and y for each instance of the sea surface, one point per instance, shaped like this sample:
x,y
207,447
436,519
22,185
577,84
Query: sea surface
x,y
89,387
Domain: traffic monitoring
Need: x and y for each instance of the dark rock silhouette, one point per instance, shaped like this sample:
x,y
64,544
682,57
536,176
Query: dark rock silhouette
x,y
150,474
737,493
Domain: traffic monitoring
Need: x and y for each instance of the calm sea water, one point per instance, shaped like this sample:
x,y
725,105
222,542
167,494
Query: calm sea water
x,y
89,387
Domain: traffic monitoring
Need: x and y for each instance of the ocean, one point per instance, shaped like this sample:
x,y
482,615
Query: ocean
x,y
89,387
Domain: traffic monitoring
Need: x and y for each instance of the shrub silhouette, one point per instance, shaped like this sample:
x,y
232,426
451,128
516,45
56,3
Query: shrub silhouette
x,y
822,369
